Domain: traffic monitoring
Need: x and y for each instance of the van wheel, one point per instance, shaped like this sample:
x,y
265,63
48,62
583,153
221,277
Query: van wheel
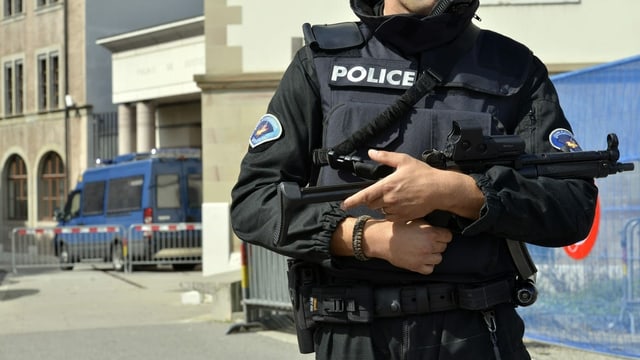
x,y
117,259
66,262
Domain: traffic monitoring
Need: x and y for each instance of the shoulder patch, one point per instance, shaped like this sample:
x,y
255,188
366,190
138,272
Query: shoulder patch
x,y
563,140
268,129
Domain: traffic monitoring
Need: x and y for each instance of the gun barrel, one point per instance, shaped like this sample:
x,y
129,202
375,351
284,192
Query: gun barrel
x,y
625,167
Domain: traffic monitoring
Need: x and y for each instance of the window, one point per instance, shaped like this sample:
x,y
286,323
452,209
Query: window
x,y
48,81
19,86
168,191
125,194
54,81
195,190
42,82
8,89
93,198
17,194
73,205
12,8
52,185
42,3
13,87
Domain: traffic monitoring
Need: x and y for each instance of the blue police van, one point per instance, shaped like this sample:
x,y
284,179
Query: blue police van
x,y
162,186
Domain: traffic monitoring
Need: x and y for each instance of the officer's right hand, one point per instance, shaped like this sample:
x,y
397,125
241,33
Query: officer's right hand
x,y
414,245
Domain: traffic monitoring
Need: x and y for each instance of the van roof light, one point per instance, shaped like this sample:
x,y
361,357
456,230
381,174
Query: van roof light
x,y
101,161
183,153
169,153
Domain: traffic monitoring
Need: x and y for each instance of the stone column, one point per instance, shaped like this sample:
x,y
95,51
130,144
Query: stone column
x,y
126,129
145,126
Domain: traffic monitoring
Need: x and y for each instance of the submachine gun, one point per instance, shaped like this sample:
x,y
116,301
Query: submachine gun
x,y
469,151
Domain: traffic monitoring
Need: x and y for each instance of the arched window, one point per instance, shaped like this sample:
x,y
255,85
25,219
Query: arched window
x,y
17,194
52,186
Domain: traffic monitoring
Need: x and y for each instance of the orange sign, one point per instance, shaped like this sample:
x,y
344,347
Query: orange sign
x,y
581,249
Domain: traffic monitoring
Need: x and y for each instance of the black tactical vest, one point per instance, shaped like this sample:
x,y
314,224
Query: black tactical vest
x,y
361,80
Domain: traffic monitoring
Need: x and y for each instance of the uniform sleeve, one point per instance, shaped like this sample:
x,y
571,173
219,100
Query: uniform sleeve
x,y
255,206
542,211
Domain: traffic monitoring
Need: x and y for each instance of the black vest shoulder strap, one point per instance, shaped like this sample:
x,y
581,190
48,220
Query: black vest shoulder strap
x,y
333,37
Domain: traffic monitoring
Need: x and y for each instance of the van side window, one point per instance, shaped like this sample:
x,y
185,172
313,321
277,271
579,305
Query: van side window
x,y
194,186
167,191
93,199
125,194
74,206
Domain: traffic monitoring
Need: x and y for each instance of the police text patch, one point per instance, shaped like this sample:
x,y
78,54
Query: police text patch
x,y
268,129
382,74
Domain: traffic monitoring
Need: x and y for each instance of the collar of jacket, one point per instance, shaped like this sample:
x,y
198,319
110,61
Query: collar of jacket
x,y
411,34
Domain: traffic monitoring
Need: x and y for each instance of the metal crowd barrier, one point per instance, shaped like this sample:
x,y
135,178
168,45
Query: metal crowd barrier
x,y
265,292
63,246
631,255
177,244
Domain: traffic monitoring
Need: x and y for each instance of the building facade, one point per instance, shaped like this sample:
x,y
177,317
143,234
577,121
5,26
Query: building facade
x,y
56,108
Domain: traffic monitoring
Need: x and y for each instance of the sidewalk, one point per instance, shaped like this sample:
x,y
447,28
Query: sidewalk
x,y
86,298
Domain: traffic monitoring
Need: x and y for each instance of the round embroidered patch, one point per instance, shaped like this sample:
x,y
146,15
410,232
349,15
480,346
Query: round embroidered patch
x,y
563,140
268,129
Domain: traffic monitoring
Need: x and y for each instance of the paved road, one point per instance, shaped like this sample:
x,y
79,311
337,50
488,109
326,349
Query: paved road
x,y
92,314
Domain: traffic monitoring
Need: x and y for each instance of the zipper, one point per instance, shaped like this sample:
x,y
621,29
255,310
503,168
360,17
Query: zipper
x,y
405,339
532,124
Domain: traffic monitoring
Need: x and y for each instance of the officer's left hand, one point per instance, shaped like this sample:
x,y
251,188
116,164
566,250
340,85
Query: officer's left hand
x,y
416,189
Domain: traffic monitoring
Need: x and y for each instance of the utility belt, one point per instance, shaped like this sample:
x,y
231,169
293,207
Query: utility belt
x,y
360,304
314,302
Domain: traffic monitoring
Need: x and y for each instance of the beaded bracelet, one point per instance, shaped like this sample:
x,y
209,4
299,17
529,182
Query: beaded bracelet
x,y
358,230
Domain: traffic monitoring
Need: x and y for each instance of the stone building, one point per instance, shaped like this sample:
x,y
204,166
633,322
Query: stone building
x,y
56,108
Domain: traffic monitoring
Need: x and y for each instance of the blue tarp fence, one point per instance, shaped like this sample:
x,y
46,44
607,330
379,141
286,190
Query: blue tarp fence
x,y
590,293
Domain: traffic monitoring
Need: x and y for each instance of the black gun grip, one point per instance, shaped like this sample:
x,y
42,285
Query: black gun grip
x,y
372,171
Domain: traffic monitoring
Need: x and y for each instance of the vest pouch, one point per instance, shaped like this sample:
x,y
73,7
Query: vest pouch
x,y
422,129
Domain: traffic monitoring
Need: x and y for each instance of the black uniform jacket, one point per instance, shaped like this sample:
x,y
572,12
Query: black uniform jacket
x,y
543,211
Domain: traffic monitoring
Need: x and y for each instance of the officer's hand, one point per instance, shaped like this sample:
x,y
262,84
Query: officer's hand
x,y
414,245
416,189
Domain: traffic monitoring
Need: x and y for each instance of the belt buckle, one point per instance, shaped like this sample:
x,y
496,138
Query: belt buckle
x,y
332,305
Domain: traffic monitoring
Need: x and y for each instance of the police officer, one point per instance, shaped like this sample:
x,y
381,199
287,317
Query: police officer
x,y
388,283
